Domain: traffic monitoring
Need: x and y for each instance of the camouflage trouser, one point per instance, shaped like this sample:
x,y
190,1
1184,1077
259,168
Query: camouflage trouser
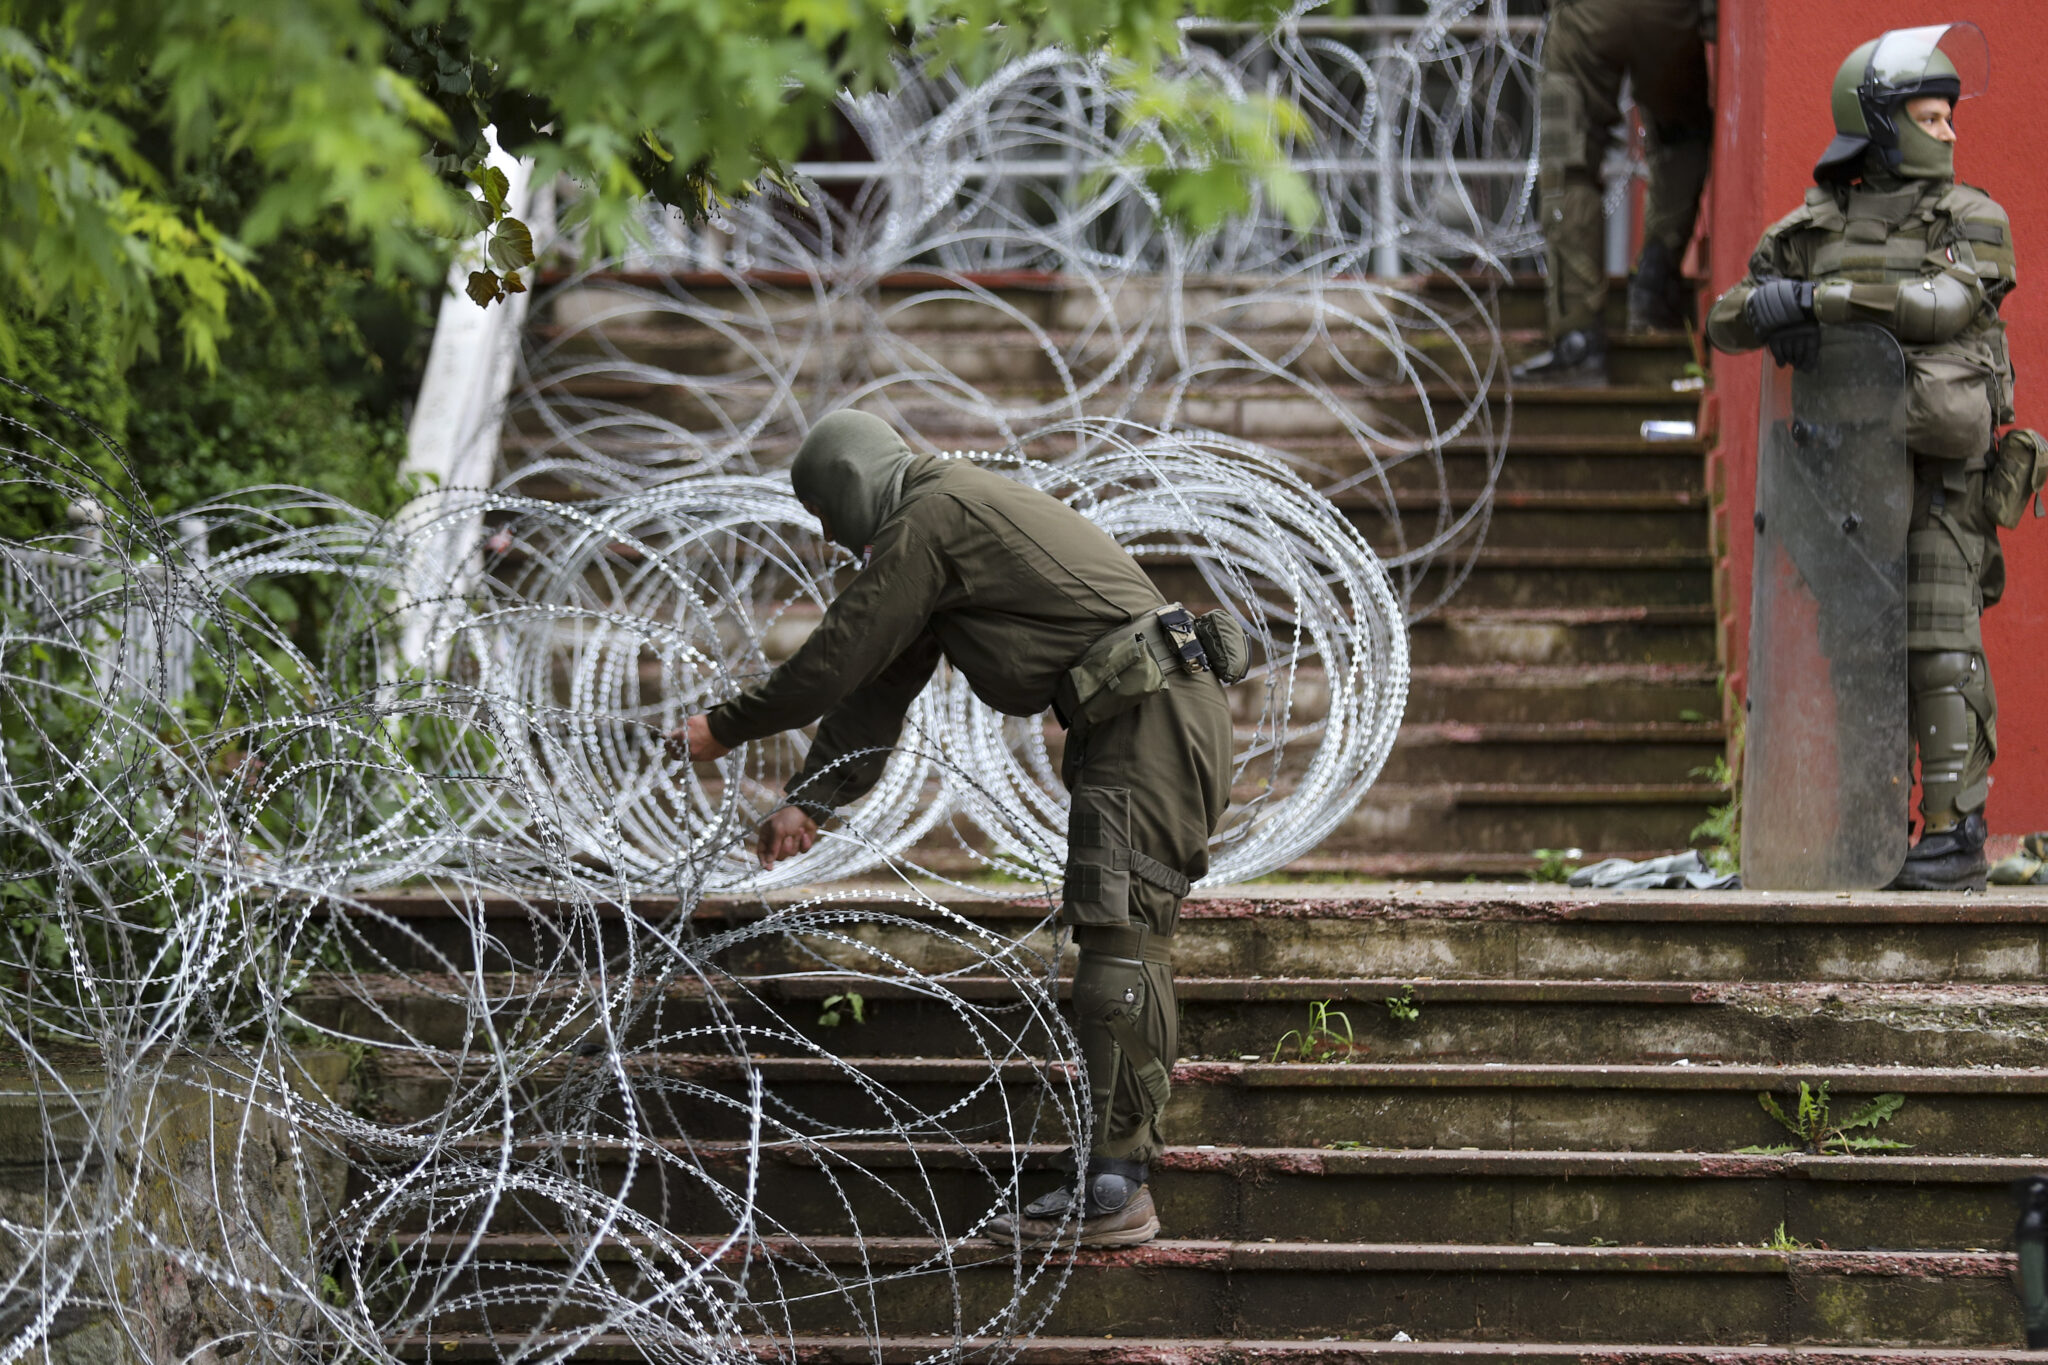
x,y
1152,781
1588,46
1954,570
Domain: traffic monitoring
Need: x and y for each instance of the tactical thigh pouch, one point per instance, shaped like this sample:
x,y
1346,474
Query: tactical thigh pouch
x,y
1948,406
1127,1078
2017,473
1098,889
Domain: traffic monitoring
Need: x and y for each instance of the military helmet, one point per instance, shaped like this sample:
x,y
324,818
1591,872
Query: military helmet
x,y
1949,60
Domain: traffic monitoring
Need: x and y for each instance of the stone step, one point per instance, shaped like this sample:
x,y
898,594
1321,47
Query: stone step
x,y
1503,817
1224,1193
1569,464
1383,932
1681,633
1271,1019
1553,754
1968,1111
981,347
1172,1288
1269,413
1109,1349
1048,300
1524,693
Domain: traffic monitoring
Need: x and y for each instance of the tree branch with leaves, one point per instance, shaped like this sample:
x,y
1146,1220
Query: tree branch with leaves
x,y
369,117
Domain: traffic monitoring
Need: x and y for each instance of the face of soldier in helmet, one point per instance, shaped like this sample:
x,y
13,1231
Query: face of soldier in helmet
x,y
1927,138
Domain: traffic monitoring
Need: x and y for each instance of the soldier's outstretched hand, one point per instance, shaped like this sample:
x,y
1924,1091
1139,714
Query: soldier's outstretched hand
x,y
785,834
692,740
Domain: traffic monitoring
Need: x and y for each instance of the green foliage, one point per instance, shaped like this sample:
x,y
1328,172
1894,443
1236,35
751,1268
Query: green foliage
x,y
1780,1240
1328,1037
850,1003
365,120
1812,1122
1719,836
312,392
1404,1008
1555,864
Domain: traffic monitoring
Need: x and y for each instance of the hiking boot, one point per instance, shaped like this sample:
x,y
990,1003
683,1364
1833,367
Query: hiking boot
x,y
1947,860
1656,292
1575,358
1118,1211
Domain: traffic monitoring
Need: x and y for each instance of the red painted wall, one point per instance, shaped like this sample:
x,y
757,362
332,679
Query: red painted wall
x,y
1775,64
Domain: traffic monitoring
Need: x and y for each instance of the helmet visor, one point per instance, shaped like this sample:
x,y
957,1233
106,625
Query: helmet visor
x,y
1908,59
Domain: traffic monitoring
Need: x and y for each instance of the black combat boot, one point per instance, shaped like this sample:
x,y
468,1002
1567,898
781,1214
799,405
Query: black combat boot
x,y
1116,1211
1575,358
1947,860
1656,293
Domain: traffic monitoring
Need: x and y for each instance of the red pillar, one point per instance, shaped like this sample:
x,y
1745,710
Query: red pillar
x,y
1775,65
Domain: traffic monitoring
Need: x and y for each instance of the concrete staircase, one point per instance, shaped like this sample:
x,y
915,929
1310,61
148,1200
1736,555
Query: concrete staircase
x,y
1566,695
1533,1160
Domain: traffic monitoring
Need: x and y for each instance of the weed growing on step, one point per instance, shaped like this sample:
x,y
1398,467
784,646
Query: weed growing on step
x,y
830,1015
1719,836
1404,1008
1327,1039
1818,1133
1781,1240
1556,864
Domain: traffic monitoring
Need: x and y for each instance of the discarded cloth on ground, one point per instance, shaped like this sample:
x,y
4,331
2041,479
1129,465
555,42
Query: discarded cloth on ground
x,y
1673,872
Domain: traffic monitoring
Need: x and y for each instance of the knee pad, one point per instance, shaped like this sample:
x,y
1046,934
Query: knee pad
x,y
1109,1003
1945,732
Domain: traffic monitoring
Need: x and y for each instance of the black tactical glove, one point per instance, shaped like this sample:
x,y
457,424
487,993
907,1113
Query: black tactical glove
x,y
1797,346
1781,314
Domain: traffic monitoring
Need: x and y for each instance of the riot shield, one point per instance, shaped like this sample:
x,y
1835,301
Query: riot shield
x,y
1827,768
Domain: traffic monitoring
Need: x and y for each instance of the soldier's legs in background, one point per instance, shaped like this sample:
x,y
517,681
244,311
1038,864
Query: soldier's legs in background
x,y
1668,71
1584,51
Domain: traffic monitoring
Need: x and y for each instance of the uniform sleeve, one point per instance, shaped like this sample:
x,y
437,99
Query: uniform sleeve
x,y
853,744
1780,255
868,628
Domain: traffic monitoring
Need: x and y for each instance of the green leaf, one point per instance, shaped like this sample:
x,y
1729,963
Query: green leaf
x,y
1867,1144
1775,1149
1879,1110
495,186
483,288
1771,1107
511,246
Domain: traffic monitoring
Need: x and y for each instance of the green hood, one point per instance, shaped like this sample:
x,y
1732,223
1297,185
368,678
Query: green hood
x,y
850,469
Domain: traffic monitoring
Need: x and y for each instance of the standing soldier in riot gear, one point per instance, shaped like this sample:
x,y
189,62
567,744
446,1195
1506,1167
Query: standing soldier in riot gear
x,y
1035,606
1888,237
1588,46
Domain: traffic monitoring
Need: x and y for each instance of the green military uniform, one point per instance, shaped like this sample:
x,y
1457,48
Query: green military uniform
x,y
1588,46
1012,587
1893,240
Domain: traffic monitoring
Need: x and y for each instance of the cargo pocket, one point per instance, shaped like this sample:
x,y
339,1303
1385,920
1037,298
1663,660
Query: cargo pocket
x,y
2017,474
1116,673
1098,888
1948,411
